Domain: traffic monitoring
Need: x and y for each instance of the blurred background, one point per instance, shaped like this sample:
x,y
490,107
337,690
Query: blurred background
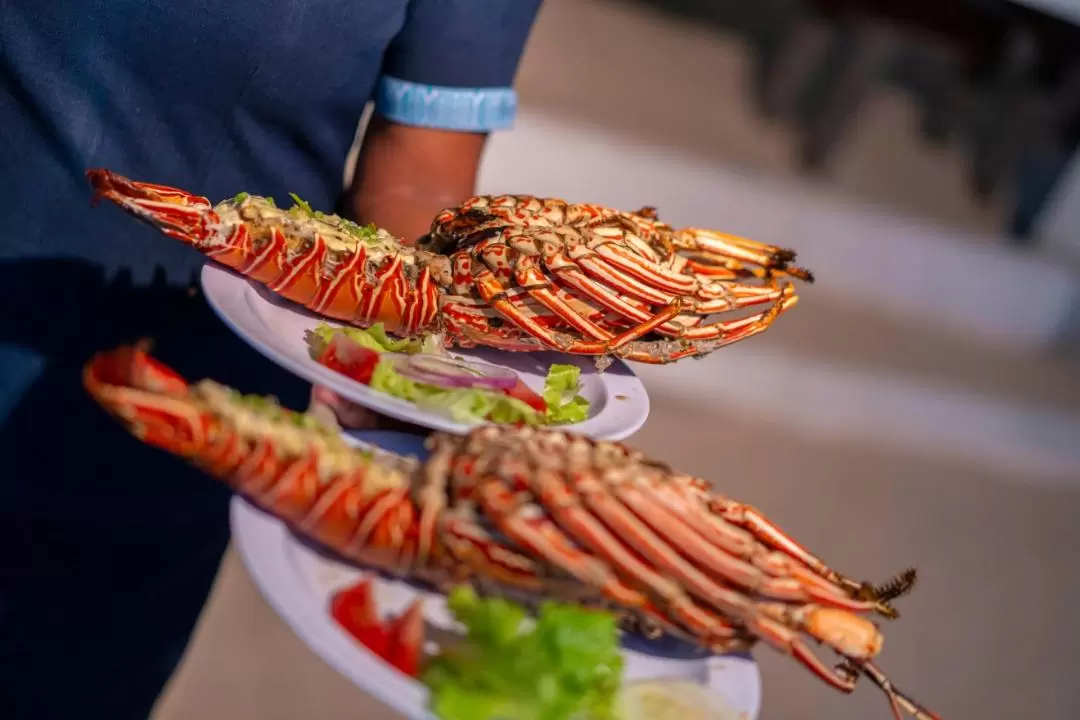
x,y
920,407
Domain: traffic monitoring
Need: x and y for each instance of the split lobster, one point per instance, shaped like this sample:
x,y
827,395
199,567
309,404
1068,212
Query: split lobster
x,y
530,514
513,272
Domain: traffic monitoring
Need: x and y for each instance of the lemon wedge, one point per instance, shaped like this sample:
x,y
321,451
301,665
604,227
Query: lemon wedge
x,y
671,700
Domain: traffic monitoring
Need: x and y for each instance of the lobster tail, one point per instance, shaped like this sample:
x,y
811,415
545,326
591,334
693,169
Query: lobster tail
x,y
286,462
329,265
526,512
176,213
147,397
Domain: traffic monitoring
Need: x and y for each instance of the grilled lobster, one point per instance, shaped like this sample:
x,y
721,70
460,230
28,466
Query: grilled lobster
x,y
512,272
521,512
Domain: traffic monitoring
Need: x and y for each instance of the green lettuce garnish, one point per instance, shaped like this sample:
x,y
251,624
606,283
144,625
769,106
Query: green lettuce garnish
x,y
376,338
270,408
561,386
303,206
463,405
365,233
565,665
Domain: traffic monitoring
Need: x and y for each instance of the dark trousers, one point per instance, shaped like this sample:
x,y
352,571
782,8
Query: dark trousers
x,y
108,548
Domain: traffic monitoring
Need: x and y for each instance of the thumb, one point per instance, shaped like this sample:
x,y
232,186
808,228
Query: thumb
x,y
330,408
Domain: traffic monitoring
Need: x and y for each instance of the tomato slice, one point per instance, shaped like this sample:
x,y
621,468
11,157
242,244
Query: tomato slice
x,y
354,610
350,359
522,392
405,639
399,641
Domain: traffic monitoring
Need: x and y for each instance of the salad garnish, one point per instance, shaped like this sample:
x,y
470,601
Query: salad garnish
x,y
565,664
420,371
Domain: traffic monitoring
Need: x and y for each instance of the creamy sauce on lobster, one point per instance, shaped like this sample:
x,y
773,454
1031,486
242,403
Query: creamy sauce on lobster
x,y
295,434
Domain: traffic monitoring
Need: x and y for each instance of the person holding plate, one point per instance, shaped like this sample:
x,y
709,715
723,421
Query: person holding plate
x,y
110,547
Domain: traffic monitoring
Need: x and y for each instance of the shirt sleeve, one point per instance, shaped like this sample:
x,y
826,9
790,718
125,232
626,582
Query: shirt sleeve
x,y
452,65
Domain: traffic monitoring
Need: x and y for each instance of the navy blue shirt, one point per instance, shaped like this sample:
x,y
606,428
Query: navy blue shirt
x,y
110,546
216,97
212,96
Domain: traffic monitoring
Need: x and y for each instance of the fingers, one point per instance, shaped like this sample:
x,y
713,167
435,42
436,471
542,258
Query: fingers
x,y
328,406
335,411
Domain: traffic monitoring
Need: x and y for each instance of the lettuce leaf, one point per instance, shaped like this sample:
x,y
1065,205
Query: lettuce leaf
x,y
463,405
375,338
561,386
564,665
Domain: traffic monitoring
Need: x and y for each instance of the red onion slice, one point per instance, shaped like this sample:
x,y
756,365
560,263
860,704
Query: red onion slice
x,y
452,373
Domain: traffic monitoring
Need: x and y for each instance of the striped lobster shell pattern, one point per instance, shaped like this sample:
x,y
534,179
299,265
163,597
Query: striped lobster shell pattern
x,y
512,272
527,513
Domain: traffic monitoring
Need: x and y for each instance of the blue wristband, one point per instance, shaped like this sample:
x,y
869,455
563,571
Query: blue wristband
x,y
445,108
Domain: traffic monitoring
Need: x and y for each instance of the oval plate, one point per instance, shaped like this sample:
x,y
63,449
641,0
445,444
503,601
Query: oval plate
x,y
298,580
618,403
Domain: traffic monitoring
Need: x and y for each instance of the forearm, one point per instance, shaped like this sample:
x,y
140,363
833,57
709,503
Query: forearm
x,y
404,211
406,175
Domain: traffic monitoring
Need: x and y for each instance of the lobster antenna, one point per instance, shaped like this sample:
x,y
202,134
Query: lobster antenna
x,y
897,699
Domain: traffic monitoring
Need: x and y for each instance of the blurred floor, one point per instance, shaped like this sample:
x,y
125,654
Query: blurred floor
x,y
989,632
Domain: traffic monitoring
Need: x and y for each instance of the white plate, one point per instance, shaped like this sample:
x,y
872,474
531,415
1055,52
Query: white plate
x,y
618,404
299,581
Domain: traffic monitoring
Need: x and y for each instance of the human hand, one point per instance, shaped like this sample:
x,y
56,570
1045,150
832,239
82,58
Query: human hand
x,y
331,409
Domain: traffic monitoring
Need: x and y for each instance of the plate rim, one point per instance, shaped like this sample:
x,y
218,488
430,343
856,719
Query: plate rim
x,y
220,285
262,541
251,527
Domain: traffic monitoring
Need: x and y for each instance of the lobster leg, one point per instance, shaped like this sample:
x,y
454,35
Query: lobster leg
x,y
568,273
638,267
679,349
819,582
713,296
779,626
559,498
716,271
494,293
600,270
484,557
589,527
470,325
897,699
773,260
528,276
660,553
477,554
654,622
783,638
597,290
853,637
731,569
730,253
540,535
559,550
769,533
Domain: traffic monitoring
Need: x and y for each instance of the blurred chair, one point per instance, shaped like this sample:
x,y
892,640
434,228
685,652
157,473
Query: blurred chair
x,y
838,50
1049,121
997,75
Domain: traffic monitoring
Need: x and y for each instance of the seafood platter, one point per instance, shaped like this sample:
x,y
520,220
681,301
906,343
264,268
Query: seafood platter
x,y
519,562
